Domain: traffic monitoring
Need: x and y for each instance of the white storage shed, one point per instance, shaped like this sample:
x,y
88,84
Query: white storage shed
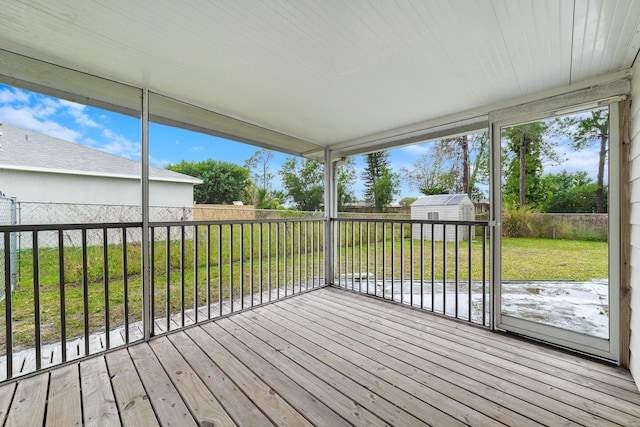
x,y
442,207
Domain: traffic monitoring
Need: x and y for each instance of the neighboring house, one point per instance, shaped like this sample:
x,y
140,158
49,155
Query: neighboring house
x,y
442,207
39,168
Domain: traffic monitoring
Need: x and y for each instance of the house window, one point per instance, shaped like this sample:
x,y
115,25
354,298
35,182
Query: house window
x,y
433,216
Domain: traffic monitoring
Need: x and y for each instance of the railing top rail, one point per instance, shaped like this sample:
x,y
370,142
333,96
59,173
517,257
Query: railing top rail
x,y
65,227
232,221
412,221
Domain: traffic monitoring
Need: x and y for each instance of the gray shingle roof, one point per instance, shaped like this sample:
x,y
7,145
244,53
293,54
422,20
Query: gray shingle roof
x,y
440,200
24,149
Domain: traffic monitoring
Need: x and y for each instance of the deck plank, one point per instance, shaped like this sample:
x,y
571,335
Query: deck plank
x,y
64,405
593,376
29,402
239,407
525,352
350,400
6,396
99,404
295,393
165,399
132,400
569,403
327,357
261,394
450,386
203,404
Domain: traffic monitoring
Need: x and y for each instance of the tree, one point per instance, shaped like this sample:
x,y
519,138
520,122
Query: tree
x,y
260,198
380,183
345,177
258,167
222,183
525,149
586,131
570,193
303,182
454,165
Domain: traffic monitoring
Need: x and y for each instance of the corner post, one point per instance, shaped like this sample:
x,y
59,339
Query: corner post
x,y
330,212
146,286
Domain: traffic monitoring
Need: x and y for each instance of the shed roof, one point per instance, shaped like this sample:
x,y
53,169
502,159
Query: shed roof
x,y
441,200
27,150
303,75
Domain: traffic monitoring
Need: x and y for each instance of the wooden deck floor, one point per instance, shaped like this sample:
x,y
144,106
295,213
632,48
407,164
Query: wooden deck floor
x,y
328,358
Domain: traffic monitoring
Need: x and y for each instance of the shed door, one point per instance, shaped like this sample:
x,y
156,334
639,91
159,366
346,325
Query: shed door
x,y
555,257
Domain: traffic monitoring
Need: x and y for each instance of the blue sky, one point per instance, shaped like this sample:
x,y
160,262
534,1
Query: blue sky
x,y
120,135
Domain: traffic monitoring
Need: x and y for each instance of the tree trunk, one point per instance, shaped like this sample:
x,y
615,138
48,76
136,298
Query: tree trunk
x,y
600,187
523,170
464,141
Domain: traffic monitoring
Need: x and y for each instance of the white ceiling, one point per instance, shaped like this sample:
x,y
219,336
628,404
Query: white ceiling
x,y
331,72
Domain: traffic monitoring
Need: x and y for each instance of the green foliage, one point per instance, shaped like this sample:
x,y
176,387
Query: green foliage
x,y
525,148
223,182
570,193
585,132
407,201
258,167
454,165
381,185
345,177
303,181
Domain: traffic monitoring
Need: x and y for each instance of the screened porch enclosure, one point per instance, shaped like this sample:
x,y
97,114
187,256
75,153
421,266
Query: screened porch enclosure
x,y
322,319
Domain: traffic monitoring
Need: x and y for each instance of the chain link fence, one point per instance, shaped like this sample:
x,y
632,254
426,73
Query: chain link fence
x,y
8,216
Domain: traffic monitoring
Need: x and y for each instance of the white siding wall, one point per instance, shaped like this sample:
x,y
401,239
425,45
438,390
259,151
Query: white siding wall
x,y
635,223
66,188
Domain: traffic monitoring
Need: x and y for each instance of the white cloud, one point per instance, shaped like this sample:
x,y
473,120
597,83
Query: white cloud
x,y
584,160
198,148
417,149
27,119
76,111
8,96
120,146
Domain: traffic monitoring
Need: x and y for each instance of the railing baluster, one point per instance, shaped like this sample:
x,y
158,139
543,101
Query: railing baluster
x,y
231,267
183,265
368,249
300,256
422,265
105,278
393,261
209,267
306,253
195,272
457,269
360,260
85,292
433,267
469,266
261,274
277,261
375,262
168,279
220,269
384,259
8,297
251,263
353,255
241,260
63,300
444,269
36,295
269,257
